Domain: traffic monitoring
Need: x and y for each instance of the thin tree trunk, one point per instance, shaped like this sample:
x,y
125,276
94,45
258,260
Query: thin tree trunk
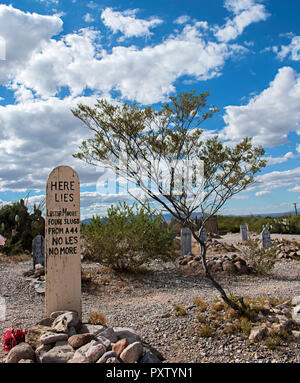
x,y
240,310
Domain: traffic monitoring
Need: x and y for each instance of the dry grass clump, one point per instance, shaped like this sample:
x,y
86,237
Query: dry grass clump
x,y
200,303
217,318
97,318
206,331
180,310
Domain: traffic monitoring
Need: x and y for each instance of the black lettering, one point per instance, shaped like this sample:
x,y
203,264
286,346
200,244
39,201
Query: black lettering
x,y
57,241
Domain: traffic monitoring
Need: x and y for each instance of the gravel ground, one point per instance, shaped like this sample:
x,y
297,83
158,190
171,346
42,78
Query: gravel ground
x,y
146,304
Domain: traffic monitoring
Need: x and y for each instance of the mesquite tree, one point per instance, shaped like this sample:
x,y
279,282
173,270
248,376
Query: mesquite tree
x,y
166,148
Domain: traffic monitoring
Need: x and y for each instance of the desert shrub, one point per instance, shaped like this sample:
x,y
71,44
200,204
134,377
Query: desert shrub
x,y
200,303
97,318
129,237
283,225
206,331
179,310
20,226
245,326
262,260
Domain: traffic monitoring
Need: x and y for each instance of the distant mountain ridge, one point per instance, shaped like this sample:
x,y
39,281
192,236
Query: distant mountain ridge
x,y
169,216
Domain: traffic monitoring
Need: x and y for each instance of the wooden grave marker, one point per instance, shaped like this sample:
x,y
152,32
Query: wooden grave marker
x,y
38,250
244,232
186,241
266,238
62,233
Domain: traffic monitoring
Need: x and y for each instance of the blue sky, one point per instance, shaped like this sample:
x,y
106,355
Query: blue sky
x,y
55,54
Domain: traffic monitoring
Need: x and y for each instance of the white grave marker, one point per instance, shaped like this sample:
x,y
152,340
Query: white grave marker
x,y
186,241
38,250
203,235
62,233
266,238
244,233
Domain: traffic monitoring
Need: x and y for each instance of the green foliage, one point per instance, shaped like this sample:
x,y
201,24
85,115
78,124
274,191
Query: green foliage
x,y
20,227
129,237
144,135
263,260
281,225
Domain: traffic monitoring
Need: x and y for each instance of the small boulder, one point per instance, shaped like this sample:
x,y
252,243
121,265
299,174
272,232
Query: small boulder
x,y
91,351
258,333
105,356
296,300
119,346
91,328
58,354
63,321
41,350
112,360
52,337
109,333
20,351
124,332
296,313
149,357
34,333
79,340
46,322
132,353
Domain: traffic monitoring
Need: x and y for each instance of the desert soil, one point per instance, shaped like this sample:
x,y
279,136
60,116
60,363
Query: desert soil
x,y
146,304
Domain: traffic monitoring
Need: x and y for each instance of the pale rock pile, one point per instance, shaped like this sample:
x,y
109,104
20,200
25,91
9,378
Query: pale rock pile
x,y
218,263
36,278
287,249
63,338
220,247
278,320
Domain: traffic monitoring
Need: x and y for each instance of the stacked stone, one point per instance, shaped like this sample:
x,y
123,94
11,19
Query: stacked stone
x,y
63,338
217,246
225,264
36,278
278,320
286,249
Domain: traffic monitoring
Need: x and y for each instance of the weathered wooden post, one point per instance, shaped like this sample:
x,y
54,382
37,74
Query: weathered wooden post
x,y
203,235
186,241
244,233
62,233
38,250
266,238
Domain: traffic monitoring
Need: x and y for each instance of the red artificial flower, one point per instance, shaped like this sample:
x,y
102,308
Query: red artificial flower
x,y
8,339
11,338
20,336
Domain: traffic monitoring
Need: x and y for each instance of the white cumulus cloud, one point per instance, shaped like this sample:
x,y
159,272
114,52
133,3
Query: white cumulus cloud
x,y
245,13
127,23
292,51
23,33
270,116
